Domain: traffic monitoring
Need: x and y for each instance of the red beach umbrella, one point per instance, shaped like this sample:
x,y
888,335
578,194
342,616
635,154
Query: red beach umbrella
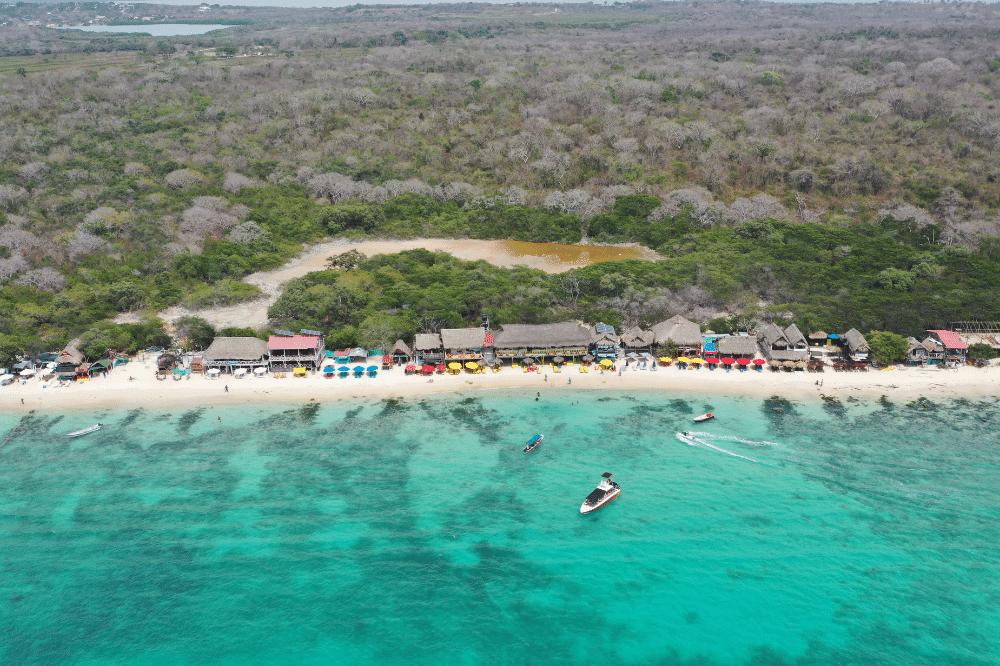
x,y
729,361
427,369
441,368
743,361
759,361
410,368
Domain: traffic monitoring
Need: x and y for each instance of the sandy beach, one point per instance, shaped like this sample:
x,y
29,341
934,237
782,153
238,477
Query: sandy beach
x,y
118,391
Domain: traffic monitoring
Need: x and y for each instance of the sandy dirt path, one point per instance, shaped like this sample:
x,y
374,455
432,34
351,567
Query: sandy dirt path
x,y
254,313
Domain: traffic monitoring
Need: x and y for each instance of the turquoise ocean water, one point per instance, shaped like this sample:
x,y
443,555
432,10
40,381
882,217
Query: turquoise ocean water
x,y
416,531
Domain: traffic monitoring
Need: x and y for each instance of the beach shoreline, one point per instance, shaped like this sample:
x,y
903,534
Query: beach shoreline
x,y
117,390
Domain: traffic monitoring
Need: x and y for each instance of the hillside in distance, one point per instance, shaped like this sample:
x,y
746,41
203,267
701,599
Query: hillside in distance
x,y
138,171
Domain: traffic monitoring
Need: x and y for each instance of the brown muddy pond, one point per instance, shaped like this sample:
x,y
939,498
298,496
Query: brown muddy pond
x,y
580,255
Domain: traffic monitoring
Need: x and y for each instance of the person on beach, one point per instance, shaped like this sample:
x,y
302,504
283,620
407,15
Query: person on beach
x,y
227,388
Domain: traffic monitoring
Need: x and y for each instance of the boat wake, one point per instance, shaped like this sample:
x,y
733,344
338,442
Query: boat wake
x,y
702,439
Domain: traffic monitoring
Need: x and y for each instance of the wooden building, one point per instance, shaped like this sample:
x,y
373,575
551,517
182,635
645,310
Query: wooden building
x,y
68,360
855,346
427,349
287,352
605,342
736,346
775,346
400,353
955,349
682,332
542,341
637,340
463,344
230,354
916,352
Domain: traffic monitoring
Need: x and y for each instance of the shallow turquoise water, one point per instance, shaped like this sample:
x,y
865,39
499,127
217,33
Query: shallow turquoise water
x,y
418,532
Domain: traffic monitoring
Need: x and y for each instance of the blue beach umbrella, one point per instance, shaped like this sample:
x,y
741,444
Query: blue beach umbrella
x,y
358,368
372,368
343,368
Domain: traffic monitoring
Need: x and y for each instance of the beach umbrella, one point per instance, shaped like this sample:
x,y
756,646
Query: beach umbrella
x,y
588,358
729,361
632,355
530,361
441,367
26,372
427,369
834,336
558,359
683,359
455,366
666,359
788,364
410,368
759,361
472,365
607,363
372,368
743,361
358,368
213,371
801,365
695,361
343,368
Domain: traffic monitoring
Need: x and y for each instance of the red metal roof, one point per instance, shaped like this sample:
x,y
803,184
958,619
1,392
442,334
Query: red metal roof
x,y
293,342
949,339
488,342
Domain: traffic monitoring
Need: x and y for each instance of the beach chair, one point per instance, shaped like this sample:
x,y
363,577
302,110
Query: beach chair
x,y
555,368
524,368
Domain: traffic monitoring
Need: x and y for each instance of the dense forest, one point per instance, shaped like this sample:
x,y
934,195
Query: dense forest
x,y
832,165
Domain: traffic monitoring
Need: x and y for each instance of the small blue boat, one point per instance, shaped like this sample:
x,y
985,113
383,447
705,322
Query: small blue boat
x,y
533,443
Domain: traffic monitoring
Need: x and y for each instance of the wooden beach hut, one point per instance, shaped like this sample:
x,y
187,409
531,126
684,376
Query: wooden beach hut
x,y
229,354
605,343
855,346
955,349
514,342
68,360
916,352
736,346
401,353
775,346
682,332
427,349
935,350
637,340
463,344
796,341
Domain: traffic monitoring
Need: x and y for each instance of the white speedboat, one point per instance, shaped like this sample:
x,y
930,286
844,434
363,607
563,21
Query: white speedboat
x,y
86,431
605,491
704,417
533,442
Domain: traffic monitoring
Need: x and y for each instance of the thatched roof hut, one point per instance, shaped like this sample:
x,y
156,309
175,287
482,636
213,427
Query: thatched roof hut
x,y
463,338
543,336
773,337
636,338
427,342
400,348
818,336
682,332
736,345
70,355
856,342
236,349
795,338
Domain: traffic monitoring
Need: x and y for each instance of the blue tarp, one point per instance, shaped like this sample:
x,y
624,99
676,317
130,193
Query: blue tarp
x,y
710,346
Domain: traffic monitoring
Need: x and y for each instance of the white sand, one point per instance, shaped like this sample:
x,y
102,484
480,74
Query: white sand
x,y
118,391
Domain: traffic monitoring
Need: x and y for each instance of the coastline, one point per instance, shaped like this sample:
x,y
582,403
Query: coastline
x,y
117,391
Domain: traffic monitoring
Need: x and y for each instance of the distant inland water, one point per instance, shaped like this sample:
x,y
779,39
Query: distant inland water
x,y
154,29
557,253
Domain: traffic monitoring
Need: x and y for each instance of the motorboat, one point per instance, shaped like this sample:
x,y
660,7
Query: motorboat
x,y
605,491
704,417
533,443
86,431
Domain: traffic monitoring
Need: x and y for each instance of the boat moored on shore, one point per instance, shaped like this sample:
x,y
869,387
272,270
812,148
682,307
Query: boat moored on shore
x,y
605,491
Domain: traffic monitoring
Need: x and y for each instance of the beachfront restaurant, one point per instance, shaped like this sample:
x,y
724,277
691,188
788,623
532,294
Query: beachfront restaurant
x,y
684,333
230,354
295,351
638,341
463,344
428,349
516,342
955,349
916,352
855,346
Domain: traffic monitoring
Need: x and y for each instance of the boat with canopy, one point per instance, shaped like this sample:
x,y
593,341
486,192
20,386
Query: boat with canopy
x,y
605,491
533,443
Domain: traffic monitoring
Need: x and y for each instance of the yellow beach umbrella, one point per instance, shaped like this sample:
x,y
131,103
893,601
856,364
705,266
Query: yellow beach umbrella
x,y
455,366
666,359
683,359
607,363
471,365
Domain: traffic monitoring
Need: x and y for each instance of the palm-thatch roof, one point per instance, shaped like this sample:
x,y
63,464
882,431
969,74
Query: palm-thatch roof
x,y
71,354
427,342
818,335
236,349
563,334
401,348
736,345
932,345
463,338
912,343
855,341
786,355
795,337
773,337
637,338
678,330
